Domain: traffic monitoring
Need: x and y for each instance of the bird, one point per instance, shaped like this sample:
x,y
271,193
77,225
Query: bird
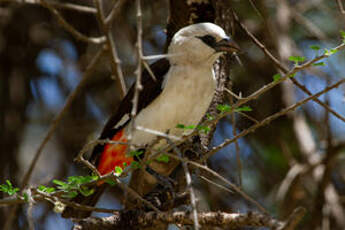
x,y
179,92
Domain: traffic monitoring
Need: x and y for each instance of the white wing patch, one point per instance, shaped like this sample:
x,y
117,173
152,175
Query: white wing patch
x,y
123,120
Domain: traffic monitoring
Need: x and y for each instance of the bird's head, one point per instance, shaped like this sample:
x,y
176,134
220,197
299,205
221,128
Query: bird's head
x,y
200,43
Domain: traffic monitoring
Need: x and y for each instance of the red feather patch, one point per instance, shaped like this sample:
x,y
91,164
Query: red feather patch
x,y
114,155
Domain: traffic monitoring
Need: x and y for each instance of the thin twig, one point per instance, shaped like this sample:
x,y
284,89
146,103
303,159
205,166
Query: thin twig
x,y
294,219
237,146
248,117
216,184
115,60
114,12
53,199
53,126
231,185
341,7
189,186
158,133
111,175
285,70
271,118
59,5
136,195
29,210
69,27
232,94
56,121
158,56
309,25
138,85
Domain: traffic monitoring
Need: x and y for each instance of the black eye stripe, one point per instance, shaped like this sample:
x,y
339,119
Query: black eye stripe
x,y
208,40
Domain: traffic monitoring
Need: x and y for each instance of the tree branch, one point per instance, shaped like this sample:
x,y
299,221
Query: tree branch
x,y
138,219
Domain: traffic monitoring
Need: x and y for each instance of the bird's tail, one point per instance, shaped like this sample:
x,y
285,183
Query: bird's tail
x,y
71,212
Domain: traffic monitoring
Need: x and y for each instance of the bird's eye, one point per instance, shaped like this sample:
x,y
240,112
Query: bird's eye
x,y
208,40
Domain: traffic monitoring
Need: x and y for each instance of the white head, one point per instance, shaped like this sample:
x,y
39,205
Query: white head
x,y
200,43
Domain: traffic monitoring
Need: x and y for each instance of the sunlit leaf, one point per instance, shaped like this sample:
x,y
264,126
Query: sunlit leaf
x,y
163,158
276,77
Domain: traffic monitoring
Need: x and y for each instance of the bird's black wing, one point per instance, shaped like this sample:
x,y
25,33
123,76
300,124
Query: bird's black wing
x,y
151,89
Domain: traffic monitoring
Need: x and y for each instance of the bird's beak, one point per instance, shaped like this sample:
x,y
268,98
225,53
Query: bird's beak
x,y
227,45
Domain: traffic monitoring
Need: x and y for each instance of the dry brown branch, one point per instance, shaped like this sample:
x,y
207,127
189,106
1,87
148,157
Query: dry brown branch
x,y
123,186
115,60
114,12
309,25
271,118
54,198
189,186
138,85
87,74
293,219
284,69
215,174
58,5
237,146
54,124
69,27
341,7
135,220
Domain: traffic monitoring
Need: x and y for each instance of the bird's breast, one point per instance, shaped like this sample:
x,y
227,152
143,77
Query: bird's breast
x,y
185,98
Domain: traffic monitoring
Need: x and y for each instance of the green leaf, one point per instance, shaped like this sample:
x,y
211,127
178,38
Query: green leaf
x,y
59,182
26,197
118,170
326,52
204,129
61,185
135,165
315,47
296,59
186,127
224,108
333,51
110,181
4,188
41,188
330,52
9,183
85,191
70,194
319,64
244,109
342,33
136,153
180,126
125,164
209,117
8,188
81,179
46,189
163,158
50,190
276,77
292,75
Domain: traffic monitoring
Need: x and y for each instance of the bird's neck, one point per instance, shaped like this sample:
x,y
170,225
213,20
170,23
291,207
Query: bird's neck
x,y
190,76
193,61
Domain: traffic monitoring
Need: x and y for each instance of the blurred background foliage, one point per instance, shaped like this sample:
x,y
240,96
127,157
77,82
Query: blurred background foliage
x,y
41,64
